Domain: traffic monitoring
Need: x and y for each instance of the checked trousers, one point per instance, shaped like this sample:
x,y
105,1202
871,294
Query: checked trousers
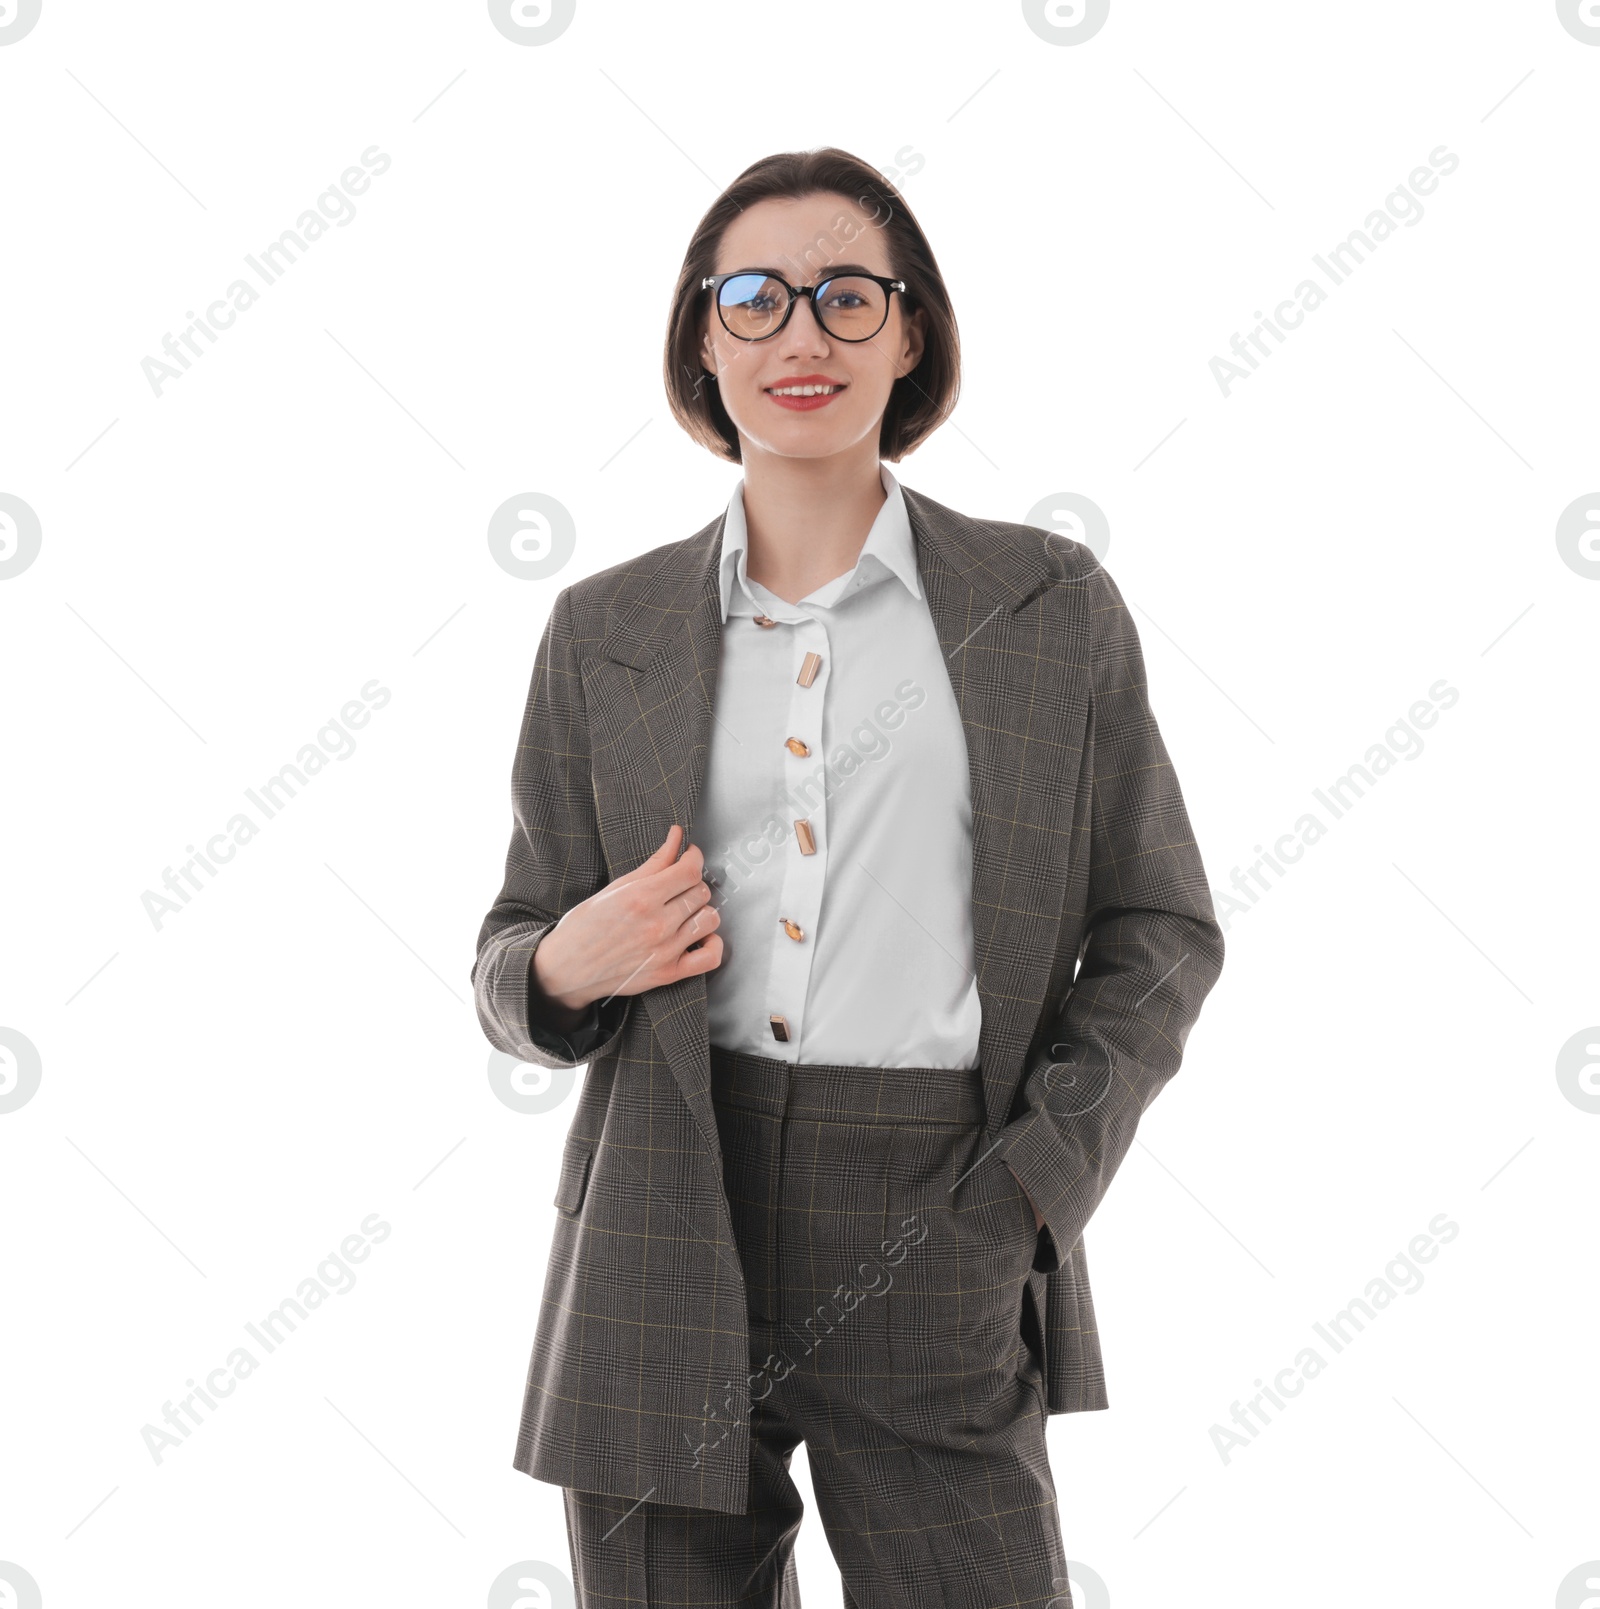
x,y
886,1259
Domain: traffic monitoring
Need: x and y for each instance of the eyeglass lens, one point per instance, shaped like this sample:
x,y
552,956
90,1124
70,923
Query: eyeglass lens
x,y
849,307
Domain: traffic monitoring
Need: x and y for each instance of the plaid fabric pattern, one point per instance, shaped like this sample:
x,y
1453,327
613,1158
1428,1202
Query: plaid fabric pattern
x,y
1094,933
887,1259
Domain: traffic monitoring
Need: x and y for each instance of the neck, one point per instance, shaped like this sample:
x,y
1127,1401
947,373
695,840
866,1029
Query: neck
x,y
807,519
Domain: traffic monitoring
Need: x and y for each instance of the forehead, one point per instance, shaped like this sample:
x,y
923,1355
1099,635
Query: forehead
x,y
800,234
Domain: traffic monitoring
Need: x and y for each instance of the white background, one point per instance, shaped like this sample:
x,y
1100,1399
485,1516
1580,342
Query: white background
x,y
223,1100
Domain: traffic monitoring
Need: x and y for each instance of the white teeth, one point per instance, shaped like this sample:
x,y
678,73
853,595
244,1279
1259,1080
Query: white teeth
x,y
804,390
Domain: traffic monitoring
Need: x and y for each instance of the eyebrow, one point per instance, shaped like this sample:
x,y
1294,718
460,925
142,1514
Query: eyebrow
x,y
830,272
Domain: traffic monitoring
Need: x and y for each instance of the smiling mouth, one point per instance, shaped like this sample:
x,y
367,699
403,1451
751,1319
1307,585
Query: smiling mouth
x,y
803,390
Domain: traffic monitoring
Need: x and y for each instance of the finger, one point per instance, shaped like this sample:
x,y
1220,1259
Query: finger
x,y
663,858
707,958
686,875
697,924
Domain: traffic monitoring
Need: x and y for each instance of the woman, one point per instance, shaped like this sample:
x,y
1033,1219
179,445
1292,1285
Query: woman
x,y
864,1056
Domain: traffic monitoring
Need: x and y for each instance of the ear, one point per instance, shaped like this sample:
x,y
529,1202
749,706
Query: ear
x,y
913,342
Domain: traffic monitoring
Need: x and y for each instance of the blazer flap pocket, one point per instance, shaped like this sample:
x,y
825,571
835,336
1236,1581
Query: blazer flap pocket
x,y
574,1175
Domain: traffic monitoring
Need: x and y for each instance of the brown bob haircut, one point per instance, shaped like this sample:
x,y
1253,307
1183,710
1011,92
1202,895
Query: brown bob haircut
x,y
919,400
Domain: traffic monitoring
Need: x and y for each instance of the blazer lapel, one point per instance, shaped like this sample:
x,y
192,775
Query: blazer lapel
x,y
1021,682
650,732
1020,677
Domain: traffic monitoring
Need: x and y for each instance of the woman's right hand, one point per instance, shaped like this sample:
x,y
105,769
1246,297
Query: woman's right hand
x,y
637,933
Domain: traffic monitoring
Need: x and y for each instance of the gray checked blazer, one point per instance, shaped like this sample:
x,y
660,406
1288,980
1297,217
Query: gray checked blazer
x,y
1095,937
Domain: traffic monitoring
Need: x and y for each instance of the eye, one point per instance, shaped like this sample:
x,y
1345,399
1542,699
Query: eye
x,y
747,290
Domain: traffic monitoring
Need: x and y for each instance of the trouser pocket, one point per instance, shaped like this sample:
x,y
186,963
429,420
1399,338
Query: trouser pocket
x,y
957,1314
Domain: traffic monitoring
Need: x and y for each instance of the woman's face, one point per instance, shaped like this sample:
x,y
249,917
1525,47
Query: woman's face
x,y
803,240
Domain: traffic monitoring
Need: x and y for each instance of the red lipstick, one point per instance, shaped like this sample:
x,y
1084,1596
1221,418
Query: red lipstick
x,y
818,399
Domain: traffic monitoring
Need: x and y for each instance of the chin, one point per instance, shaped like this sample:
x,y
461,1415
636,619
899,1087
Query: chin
x,y
805,436
813,447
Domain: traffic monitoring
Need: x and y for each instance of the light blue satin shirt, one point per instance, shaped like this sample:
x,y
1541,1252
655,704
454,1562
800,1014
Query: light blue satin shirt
x,y
882,973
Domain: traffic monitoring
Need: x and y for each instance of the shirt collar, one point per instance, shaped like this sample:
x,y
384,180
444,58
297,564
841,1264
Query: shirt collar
x,y
889,549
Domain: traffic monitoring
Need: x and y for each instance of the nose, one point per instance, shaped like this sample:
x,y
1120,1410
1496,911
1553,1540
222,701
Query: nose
x,y
803,332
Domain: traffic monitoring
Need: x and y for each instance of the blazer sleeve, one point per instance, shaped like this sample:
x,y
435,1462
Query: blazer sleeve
x,y
1152,949
554,863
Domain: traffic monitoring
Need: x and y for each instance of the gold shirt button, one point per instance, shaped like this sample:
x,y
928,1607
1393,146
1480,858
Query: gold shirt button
x,y
793,929
795,746
802,832
764,620
809,667
780,1029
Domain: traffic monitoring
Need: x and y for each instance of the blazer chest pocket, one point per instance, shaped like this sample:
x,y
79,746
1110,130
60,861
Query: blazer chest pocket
x,y
574,1175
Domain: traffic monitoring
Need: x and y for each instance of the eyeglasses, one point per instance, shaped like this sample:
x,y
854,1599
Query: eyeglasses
x,y
754,303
